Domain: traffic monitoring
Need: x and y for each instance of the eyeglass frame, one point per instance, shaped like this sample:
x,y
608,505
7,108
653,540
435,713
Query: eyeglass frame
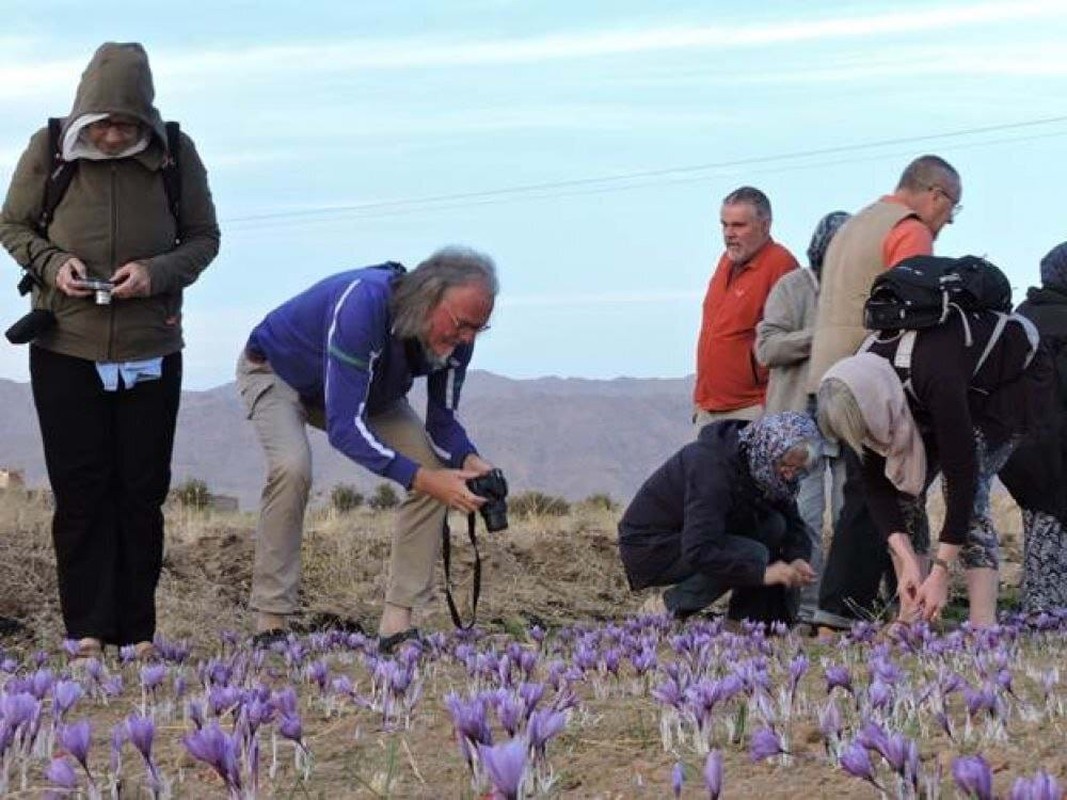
x,y
957,206
129,129
462,325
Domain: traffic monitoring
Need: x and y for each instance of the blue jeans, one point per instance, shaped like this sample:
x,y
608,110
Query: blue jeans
x,y
829,475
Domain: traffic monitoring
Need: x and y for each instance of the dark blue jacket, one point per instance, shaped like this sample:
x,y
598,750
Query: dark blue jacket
x,y
703,506
334,345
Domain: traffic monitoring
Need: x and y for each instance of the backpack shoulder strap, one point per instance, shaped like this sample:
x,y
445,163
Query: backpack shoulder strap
x,y
60,173
998,330
172,176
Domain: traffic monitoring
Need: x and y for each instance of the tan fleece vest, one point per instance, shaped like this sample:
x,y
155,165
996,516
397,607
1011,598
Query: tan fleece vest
x,y
853,261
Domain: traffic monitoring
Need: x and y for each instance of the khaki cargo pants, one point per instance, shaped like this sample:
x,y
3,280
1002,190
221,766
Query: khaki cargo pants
x,y
281,421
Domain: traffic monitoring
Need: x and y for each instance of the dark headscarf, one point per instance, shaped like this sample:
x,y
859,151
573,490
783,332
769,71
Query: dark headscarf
x,y
1054,268
820,239
768,439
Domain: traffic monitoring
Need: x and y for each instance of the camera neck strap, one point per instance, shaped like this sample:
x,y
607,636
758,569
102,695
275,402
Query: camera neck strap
x,y
446,555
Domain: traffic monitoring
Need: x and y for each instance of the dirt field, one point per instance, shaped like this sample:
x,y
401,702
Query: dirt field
x,y
556,618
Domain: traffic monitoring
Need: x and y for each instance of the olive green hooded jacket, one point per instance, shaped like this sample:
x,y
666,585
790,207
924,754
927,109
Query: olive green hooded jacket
x,y
114,212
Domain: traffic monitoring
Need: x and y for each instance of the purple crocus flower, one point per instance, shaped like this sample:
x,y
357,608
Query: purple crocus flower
x,y
510,711
112,686
830,721
873,736
973,776
218,750
764,743
62,774
797,667
505,764
677,778
65,694
713,774
543,725
18,708
879,694
152,676
837,675
531,694
291,727
141,732
1041,787
856,761
41,683
75,739
118,739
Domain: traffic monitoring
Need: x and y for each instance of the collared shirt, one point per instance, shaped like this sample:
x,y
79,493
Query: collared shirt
x,y
728,375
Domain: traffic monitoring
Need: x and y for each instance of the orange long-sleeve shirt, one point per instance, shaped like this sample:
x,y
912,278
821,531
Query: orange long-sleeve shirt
x,y
728,375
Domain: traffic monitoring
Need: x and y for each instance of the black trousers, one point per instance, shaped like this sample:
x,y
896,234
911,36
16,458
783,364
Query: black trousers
x,y
108,458
691,591
858,558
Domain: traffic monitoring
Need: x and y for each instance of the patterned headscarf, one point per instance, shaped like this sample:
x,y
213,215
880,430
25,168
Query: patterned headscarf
x,y
820,239
768,439
1054,268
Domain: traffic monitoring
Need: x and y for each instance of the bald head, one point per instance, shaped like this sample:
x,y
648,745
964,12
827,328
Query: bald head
x,y
931,187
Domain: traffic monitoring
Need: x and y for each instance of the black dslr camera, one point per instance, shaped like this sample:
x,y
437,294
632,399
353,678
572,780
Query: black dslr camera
x,y
494,488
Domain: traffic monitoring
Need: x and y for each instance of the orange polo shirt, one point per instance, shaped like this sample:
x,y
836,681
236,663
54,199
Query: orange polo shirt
x,y
909,237
728,375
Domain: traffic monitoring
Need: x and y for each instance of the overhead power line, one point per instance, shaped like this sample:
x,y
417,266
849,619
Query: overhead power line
x,y
636,179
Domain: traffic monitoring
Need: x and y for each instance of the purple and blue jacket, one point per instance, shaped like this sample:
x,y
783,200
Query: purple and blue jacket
x,y
334,344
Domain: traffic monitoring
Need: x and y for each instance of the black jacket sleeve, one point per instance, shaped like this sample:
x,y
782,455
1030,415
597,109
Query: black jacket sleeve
x,y
883,498
736,560
944,396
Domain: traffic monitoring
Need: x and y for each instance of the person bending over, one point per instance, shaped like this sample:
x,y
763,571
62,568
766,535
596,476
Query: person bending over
x,y
721,515
342,356
949,420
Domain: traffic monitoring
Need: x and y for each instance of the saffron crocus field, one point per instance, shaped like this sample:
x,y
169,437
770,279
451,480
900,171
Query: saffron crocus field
x,y
563,691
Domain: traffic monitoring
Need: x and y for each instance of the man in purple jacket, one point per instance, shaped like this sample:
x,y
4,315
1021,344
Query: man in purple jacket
x,y
342,356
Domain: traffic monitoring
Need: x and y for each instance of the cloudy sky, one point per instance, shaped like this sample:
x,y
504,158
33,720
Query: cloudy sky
x,y
585,145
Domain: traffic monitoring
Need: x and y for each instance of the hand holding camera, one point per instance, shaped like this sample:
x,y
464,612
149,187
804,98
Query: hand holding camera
x,y
468,490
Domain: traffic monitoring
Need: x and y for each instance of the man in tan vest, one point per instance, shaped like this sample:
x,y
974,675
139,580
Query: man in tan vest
x,y
897,226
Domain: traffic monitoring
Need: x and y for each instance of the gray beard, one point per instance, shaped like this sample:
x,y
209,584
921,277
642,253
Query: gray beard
x,y
435,361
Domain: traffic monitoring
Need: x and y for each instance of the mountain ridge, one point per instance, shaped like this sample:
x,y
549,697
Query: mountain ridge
x,y
570,437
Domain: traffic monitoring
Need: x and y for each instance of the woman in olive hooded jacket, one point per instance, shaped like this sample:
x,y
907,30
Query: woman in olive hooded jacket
x,y
106,378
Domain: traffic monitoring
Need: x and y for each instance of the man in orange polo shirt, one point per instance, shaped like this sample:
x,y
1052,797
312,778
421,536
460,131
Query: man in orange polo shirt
x,y
894,227
730,383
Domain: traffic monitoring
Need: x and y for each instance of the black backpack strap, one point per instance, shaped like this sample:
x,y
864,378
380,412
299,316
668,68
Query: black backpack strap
x,y
172,176
446,556
60,173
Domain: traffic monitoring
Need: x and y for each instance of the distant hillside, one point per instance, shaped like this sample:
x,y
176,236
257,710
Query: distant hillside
x,y
565,436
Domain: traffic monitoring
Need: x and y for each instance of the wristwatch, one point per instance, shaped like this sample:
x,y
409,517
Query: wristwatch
x,y
940,562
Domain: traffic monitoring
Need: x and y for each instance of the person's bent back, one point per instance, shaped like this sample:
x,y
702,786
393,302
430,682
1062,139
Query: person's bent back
x,y
720,514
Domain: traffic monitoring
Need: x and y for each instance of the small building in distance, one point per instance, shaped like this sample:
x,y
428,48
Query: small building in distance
x,y
12,479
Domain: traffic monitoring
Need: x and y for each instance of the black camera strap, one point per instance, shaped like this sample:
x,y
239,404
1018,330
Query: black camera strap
x,y
446,555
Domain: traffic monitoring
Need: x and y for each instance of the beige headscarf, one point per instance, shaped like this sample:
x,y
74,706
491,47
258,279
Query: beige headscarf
x,y
891,430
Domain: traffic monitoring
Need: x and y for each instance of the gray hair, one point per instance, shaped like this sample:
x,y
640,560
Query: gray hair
x,y
416,293
754,197
839,414
927,171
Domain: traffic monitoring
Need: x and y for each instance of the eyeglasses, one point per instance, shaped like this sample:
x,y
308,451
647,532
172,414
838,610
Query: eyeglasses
x,y
124,128
461,325
957,206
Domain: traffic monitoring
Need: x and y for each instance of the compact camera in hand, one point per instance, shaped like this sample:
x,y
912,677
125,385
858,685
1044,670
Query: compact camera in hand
x,y
494,488
102,289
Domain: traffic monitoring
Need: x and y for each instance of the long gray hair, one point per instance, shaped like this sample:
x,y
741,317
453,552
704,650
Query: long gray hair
x,y
416,293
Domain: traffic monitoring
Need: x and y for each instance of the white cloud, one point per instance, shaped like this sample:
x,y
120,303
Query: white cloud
x,y
21,77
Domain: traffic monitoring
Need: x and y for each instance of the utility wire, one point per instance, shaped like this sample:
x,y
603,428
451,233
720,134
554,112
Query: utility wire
x,y
626,180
